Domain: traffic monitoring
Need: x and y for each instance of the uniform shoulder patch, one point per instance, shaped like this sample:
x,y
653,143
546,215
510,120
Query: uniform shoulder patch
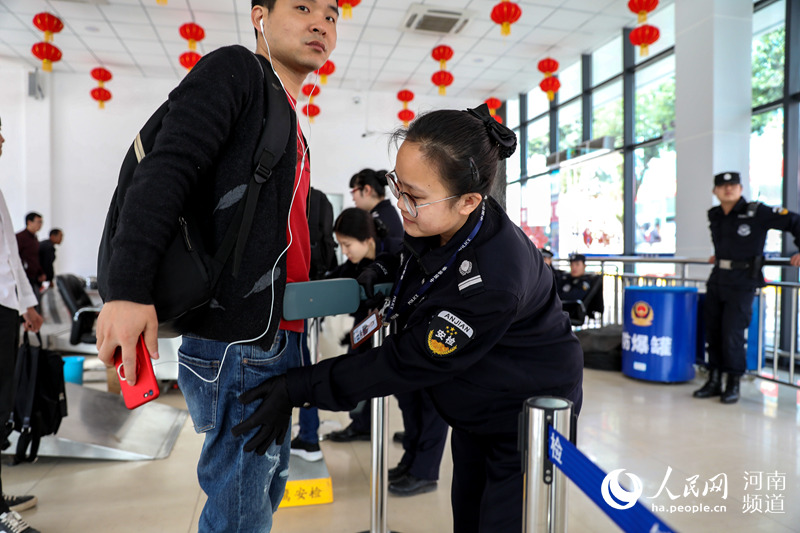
x,y
780,210
447,334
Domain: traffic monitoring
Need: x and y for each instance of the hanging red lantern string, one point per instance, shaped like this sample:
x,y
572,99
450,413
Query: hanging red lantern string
x,y
405,96
442,79
506,13
101,95
324,71
406,115
548,66
310,91
642,8
493,104
347,7
49,24
101,75
189,59
311,111
192,33
442,54
48,53
643,36
550,85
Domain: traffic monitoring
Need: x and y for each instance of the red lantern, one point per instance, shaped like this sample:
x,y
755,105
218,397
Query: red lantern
x,y
324,71
101,75
311,111
347,7
48,53
192,33
642,8
405,96
506,13
189,59
49,24
643,36
442,54
493,104
101,95
498,118
442,79
550,85
310,91
548,66
406,115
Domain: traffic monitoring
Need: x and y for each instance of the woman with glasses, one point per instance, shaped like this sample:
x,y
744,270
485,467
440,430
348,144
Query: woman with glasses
x,y
480,325
368,189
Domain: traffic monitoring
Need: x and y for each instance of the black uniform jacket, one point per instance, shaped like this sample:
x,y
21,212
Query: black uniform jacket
x,y
479,351
572,288
740,236
388,215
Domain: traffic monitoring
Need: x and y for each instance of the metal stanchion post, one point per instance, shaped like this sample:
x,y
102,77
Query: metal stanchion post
x,y
378,484
545,499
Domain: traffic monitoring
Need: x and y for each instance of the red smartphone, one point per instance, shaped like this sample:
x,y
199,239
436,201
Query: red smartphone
x,y
146,387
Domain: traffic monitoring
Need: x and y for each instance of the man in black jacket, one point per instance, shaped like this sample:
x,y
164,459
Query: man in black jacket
x,y
201,163
47,253
738,231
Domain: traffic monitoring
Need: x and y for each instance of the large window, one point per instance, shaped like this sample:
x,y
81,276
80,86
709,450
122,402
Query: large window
x,y
570,125
537,103
512,113
607,61
570,78
607,112
538,145
655,100
663,19
766,165
588,205
654,203
769,52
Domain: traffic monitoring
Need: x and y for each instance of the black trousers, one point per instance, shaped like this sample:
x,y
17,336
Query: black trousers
x,y
487,483
9,347
728,311
425,434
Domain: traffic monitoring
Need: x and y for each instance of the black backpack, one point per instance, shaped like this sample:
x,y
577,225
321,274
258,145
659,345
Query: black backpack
x,y
320,229
187,274
40,401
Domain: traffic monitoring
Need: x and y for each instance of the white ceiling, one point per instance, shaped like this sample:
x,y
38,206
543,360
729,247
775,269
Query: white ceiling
x,y
140,38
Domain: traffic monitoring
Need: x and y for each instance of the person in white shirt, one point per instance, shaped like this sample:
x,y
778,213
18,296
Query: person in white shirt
x,y
16,298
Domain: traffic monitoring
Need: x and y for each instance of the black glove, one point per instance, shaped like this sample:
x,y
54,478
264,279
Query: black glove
x,y
372,275
272,417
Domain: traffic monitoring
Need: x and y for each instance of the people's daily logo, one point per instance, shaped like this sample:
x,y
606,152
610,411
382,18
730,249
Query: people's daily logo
x,y
616,496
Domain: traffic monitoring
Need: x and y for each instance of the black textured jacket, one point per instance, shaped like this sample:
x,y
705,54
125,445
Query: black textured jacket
x,y
487,335
740,236
202,162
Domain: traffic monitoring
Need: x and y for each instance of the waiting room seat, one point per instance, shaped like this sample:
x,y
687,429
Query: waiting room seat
x,y
590,306
83,311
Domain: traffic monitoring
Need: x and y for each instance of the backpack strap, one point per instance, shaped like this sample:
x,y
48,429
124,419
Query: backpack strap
x,y
271,146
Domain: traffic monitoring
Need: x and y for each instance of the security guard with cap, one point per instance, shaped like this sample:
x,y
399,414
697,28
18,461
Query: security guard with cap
x,y
577,284
739,231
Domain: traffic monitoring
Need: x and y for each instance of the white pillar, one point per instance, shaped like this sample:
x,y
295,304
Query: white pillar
x,y
713,76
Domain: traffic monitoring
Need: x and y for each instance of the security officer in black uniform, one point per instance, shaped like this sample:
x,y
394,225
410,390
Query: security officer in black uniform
x,y
739,231
480,325
577,284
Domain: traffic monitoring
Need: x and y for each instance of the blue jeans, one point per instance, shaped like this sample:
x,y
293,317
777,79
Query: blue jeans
x,y
309,416
243,489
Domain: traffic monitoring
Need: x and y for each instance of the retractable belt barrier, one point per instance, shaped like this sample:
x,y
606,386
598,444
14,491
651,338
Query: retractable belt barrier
x,y
548,454
316,299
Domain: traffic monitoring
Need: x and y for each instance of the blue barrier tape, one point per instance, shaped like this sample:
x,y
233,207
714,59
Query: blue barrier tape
x,y
589,478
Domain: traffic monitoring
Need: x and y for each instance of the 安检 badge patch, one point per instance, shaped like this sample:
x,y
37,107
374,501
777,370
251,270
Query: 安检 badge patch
x,y
743,230
447,334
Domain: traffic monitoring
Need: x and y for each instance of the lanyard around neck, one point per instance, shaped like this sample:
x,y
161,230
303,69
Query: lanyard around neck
x,y
390,314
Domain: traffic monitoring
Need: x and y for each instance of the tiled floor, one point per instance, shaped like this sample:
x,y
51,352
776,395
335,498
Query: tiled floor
x,y
644,428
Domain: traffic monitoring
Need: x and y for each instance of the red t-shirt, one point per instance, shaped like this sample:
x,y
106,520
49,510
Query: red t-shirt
x,y
298,257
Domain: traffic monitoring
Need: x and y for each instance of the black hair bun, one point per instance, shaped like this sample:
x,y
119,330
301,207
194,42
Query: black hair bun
x,y
501,135
380,175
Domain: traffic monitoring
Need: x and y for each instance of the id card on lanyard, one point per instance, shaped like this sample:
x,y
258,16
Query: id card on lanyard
x,y
391,314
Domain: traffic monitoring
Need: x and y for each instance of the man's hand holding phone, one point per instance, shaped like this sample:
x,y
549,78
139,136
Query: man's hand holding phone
x,y
119,325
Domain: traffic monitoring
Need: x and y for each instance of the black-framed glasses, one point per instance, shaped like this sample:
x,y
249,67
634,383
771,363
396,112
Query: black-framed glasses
x,y
411,205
